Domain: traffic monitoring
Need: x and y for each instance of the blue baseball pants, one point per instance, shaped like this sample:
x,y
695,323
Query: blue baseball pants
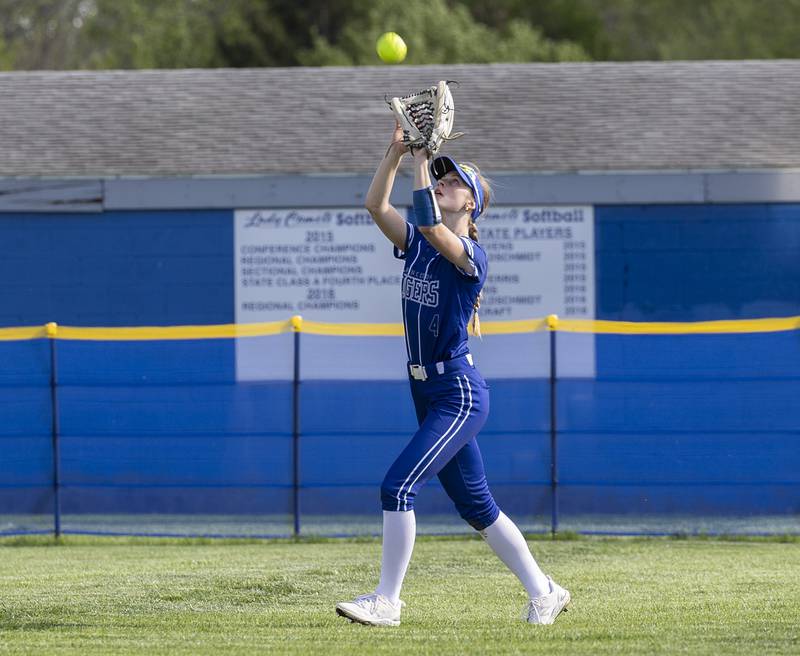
x,y
451,410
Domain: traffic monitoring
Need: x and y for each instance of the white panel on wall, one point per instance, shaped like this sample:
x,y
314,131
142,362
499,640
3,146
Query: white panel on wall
x,y
334,265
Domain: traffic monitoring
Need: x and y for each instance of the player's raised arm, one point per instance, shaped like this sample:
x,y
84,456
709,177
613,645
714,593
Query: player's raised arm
x,y
388,219
429,220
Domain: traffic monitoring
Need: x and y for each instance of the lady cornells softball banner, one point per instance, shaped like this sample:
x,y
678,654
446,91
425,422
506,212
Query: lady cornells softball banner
x,y
326,265
332,265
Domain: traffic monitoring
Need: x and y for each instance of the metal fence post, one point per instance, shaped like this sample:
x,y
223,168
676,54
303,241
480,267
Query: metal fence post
x,y
552,326
51,330
297,326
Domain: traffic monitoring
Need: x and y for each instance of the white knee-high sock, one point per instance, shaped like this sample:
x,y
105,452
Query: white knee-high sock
x,y
508,543
399,532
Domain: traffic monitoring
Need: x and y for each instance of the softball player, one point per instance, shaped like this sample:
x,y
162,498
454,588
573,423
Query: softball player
x,y
445,269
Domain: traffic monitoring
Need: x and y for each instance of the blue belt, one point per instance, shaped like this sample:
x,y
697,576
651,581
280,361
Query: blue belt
x,y
426,371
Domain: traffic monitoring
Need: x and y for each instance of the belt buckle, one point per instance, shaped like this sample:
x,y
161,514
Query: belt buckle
x,y
418,372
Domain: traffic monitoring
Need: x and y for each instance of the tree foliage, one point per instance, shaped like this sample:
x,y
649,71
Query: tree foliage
x,y
37,34
707,29
69,34
437,33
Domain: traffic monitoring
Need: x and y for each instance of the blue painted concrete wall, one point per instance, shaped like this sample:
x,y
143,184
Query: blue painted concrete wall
x,y
116,268
671,424
691,424
697,262
659,262
26,453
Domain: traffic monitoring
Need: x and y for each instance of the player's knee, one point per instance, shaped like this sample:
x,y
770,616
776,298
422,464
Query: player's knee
x,y
481,514
393,497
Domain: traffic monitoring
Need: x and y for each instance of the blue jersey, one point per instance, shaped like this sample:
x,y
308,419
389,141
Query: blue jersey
x,y
438,298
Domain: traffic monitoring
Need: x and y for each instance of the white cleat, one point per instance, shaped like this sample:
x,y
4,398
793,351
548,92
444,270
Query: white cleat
x,y
373,609
545,608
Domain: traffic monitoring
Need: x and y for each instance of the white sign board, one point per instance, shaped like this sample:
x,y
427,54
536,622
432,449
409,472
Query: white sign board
x,y
336,266
541,261
325,265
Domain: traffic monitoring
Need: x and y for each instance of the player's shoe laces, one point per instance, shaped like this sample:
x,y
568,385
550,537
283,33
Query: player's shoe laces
x,y
373,609
545,608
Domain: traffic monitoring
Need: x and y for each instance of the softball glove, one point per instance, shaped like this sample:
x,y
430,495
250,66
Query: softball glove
x,y
426,117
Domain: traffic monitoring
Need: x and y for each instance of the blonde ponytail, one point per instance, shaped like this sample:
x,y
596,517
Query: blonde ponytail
x,y
475,322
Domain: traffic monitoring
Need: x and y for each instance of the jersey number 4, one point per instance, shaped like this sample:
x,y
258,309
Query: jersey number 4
x,y
434,327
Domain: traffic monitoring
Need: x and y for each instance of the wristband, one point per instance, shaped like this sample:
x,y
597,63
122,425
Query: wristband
x,y
426,209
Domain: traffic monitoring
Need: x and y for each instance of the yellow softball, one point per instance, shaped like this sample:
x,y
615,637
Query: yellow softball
x,y
391,48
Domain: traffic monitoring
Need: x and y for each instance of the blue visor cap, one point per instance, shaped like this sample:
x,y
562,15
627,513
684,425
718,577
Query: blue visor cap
x,y
441,166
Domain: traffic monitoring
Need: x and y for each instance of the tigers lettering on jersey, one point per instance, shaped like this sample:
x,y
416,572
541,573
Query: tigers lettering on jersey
x,y
424,292
438,298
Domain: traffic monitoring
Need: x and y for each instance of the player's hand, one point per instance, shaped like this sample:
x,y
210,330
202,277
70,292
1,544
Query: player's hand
x,y
397,146
419,153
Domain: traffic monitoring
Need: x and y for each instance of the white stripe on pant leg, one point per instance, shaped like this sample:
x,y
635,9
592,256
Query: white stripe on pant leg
x,y
437,443
421,460
449,428
455,432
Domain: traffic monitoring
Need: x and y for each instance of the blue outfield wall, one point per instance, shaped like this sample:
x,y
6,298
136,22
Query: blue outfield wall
x,y
695,424
164,427
697,262
689,424
26,453
352,431
653,263
671,424
117,268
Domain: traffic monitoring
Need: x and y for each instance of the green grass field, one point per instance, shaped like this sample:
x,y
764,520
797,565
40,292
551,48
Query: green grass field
x,y
630,596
